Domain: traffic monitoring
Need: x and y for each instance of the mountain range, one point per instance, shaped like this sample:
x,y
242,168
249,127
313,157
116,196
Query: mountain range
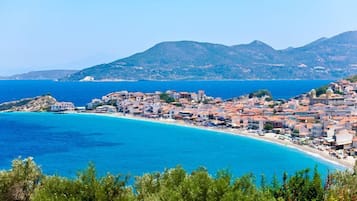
x,y
325,58
40,75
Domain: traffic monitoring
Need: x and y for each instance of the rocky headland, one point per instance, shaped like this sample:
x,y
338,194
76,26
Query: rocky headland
x,y
35,104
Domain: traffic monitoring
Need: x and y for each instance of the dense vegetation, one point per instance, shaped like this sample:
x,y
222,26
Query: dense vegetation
x,y
352,78
25,181
9,105
321,90
268,126
260,93
35,104
167,98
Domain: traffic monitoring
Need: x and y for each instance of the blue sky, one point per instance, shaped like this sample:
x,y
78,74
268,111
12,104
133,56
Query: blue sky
x,y
74,34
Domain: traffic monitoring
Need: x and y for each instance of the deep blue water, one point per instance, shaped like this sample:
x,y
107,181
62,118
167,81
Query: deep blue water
x,y
82,92
65,143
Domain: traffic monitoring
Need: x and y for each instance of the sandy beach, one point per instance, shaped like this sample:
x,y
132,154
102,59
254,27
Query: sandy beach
x,y
347,163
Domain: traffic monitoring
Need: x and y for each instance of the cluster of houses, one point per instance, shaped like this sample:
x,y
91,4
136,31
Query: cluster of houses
x,y
326,121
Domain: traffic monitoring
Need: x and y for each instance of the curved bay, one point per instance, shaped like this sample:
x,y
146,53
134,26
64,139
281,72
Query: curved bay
x,y
64,144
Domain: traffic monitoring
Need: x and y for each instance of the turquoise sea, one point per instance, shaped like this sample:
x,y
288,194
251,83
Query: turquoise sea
x,y
64,143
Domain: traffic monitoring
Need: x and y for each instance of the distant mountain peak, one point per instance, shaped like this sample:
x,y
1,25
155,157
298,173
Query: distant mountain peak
x,y
254,44
346,37
258,43
183,43
348,33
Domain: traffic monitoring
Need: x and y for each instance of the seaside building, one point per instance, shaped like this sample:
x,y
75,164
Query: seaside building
x,y
121,95
87,79
62,106
106,109
317,130
343,139
94,103
201,95
256,123
328,99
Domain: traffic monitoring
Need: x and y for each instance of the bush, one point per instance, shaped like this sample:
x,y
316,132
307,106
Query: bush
x,y
25,182
85,187
165,97
20,182
321,90
261,93
352,78
268,126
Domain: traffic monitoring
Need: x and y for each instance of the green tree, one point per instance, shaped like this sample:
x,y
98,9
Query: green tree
x,y
343,185
316,190
24,182
170,183
201,183
220,186
147,185
260,93
167,98
20,182
268,126
85,187
55,188
321,90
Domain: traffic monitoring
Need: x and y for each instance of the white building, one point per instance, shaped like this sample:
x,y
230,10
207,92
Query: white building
x,y
94,103
317,130
106,109
343,139
62,106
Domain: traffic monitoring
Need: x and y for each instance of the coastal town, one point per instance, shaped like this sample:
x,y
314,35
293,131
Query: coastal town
x,y
323,119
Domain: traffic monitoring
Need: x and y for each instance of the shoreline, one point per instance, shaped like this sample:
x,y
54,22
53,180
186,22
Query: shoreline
x,y
347,163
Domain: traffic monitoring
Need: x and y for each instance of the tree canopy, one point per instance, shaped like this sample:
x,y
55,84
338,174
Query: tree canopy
x,y
261,93
165,97
25,182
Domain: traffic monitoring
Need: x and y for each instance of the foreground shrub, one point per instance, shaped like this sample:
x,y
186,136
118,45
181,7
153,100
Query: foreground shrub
x,y
24,182
85,187
20,182
342,185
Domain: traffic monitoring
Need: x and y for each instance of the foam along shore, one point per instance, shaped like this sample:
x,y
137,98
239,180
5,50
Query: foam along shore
x,y
345,163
